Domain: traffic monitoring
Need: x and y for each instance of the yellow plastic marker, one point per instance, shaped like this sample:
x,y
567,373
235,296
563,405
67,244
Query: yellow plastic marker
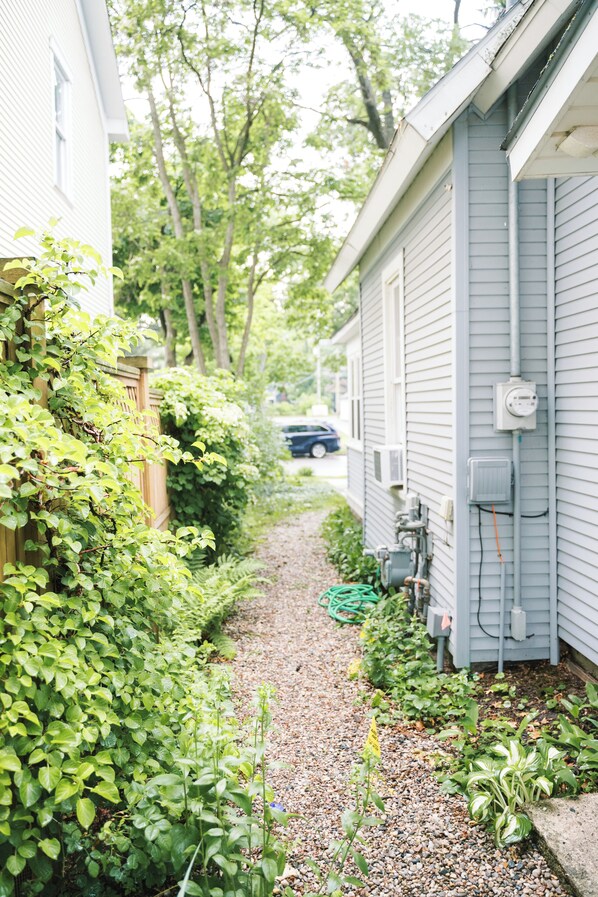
x,y
372,745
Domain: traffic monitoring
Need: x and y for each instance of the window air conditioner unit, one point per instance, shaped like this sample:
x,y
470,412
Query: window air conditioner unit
x,y
389,465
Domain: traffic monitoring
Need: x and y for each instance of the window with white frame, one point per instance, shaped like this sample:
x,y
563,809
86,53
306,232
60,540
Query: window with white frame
x,y
394,350
354,390
61,126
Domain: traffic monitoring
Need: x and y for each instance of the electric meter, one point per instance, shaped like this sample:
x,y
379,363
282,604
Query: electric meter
x,y
521,401
515,405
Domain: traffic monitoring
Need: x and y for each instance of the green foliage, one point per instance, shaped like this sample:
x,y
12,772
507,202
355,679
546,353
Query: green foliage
x,y
499,786
397,659
577,734
102,686
222,584
343,536
208,414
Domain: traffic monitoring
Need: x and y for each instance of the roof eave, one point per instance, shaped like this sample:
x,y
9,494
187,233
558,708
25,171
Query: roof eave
x,y
554,91
349,331
105,67
432,117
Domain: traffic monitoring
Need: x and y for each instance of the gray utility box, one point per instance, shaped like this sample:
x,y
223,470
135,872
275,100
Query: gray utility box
x,y
490,480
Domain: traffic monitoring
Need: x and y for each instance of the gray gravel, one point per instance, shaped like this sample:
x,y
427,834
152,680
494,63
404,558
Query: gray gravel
x,y
427,845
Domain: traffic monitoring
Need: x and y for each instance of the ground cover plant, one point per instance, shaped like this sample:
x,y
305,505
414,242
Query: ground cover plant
x,y
511,738
105,693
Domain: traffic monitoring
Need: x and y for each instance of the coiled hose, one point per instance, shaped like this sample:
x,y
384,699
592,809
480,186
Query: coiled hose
x,y
349,603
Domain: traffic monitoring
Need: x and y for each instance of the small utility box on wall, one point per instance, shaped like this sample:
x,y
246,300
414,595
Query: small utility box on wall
x,y
490,480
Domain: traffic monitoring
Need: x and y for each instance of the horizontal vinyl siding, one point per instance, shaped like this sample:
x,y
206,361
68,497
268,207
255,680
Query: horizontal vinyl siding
x,y
29,196
490,363
426,241
355,476
576,234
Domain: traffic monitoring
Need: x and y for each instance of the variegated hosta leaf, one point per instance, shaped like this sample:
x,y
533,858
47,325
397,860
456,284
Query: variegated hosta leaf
x,y
544,785
478,806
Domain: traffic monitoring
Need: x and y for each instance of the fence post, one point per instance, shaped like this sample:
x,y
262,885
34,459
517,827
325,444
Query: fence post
x,y
144,366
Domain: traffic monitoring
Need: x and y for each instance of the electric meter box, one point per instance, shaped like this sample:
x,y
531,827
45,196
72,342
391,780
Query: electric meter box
x,y
490,480
515,405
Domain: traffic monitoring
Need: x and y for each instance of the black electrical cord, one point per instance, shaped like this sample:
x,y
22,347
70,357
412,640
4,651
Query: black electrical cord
x,y
510,513
481,540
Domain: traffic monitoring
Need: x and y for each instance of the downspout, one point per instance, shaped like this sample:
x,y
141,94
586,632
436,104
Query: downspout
x,y
551,415
517,614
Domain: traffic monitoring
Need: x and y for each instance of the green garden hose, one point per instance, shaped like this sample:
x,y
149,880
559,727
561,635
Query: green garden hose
x,y
349,603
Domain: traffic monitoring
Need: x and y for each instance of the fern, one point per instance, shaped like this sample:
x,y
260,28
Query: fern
x,y
217,590
224,645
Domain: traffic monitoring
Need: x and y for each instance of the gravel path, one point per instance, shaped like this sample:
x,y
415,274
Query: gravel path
x,y
427,846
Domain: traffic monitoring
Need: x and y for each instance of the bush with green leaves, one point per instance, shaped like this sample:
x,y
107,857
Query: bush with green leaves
x,y
397,659
209,414
102,688
343,536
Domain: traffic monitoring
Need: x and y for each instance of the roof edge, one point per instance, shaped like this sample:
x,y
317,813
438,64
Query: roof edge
x,y
428,122
98,36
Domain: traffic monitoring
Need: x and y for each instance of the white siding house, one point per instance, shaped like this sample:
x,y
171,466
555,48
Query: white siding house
x,y
351,411
61,105
469,281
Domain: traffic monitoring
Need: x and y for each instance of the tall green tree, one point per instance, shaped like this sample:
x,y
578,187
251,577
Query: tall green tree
x,y
222,116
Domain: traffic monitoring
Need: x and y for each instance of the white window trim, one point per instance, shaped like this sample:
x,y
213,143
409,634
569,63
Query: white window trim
x,y
57,59
355,358
394,340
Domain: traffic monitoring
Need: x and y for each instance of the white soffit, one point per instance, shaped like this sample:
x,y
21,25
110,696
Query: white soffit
x,y
425,125
103,60
568,100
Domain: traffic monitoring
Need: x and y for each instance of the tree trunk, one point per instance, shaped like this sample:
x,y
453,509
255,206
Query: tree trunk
x,y
193,193
169,336
179,232
223,265
249,318
456,12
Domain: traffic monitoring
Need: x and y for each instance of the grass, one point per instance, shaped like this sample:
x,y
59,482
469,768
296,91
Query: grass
x,y
281,499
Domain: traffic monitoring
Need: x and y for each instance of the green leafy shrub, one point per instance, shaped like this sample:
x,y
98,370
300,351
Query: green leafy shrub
x,y
208,414
397,659
102,686
343,537
271,449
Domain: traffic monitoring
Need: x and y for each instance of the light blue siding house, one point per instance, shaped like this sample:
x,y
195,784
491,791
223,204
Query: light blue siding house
x,y
479,331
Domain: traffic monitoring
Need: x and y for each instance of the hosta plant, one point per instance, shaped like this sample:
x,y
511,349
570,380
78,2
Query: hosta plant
x,y
515,775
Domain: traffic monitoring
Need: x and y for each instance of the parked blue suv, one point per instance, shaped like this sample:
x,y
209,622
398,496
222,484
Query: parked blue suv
x,y
311,439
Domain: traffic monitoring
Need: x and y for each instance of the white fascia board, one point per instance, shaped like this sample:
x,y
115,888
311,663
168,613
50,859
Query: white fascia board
x,y
573,71
349,331
543,21
102,60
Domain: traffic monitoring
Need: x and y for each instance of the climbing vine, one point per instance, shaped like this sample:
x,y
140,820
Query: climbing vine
x,y
101,688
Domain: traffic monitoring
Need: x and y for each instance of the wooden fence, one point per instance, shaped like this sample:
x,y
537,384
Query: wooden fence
x,y
133,373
